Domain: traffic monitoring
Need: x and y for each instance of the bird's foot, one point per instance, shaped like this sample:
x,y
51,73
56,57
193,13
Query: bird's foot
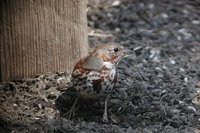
x,y
71,112
105,117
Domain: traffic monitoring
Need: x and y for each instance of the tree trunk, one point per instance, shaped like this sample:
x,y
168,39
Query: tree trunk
x,y
39,36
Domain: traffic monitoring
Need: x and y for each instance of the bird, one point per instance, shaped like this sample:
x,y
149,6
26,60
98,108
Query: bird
x,y
95,75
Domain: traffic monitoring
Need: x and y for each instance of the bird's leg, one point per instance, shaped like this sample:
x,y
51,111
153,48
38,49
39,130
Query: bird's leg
x,y
71,112
105,114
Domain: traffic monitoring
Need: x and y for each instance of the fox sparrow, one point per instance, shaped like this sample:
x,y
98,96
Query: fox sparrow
x,y
95,75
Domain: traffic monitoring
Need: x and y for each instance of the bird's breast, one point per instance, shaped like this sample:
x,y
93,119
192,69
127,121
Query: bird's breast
x,y
93,84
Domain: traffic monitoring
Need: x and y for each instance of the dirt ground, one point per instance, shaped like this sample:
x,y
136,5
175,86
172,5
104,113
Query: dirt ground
x,y
159,84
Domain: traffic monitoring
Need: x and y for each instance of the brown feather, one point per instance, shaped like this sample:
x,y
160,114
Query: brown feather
x,y
93,63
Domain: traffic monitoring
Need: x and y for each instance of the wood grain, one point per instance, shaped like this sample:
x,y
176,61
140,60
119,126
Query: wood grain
x,y
40,36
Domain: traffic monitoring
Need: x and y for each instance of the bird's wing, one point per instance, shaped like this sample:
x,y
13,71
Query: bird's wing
x,y
93,63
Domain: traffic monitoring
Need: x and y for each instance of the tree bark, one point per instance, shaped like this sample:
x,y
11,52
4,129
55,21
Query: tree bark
x,y
39,36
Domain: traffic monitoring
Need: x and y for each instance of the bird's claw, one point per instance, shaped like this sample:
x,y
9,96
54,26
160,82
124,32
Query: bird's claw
x,y
105,118
70,114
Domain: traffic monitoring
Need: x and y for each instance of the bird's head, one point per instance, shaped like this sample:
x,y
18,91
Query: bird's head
x,y
111,52
102,55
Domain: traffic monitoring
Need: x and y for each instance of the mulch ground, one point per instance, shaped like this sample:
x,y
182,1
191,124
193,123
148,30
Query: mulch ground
x,y
159,84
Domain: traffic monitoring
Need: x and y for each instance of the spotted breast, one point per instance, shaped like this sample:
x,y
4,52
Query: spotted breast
x,y
93,84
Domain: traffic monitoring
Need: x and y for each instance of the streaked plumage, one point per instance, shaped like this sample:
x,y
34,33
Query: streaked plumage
x,y
96,75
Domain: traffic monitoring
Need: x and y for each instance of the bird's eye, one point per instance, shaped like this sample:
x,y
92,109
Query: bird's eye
x,y
116,49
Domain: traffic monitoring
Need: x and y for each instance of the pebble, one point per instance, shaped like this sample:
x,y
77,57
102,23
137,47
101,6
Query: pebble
x,y
185,33
192,108
164,67
173,62
186,79
116,3
157,91
164,15
15,105
182,70
151,6
163,92
129,130
196,22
